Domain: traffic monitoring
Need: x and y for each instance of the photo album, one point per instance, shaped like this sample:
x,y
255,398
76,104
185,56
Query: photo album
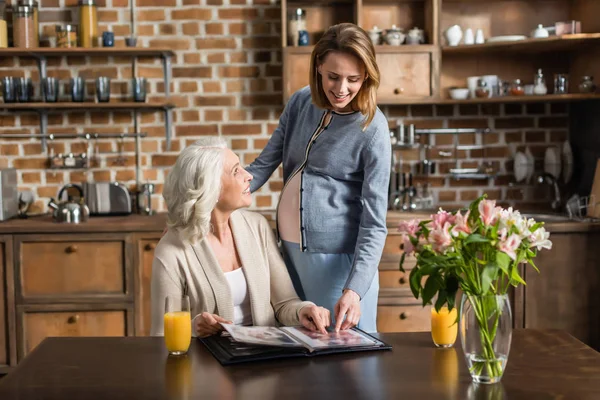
x,y
253,343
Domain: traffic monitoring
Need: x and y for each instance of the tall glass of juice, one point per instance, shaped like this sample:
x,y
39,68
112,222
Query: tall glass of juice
x,y
444,327
178,324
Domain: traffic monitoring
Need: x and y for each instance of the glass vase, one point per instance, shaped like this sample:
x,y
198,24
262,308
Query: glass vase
x,y
485,335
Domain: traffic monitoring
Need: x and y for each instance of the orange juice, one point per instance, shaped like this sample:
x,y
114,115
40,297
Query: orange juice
x,y
443,326
178,331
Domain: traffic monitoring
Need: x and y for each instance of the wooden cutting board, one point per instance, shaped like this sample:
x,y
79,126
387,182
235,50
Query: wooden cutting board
x,y
594,211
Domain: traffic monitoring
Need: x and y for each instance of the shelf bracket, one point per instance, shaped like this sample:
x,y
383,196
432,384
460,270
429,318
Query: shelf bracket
x,y
138,147
168,124
166,58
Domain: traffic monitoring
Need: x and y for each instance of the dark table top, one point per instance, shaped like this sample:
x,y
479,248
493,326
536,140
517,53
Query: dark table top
x,y
541,365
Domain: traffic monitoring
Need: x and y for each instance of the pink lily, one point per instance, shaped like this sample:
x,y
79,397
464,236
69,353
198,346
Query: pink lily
x,y
440,239
440,219
510,245
411,227
489,212
462,224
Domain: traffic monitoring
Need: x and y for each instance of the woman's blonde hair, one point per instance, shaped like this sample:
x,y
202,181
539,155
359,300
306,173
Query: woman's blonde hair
x,y
351,39
193,186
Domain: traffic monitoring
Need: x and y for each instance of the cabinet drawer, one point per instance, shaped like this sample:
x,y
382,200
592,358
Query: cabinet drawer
x,y
403,76
393,280
403,319
390,259
72,268
38,325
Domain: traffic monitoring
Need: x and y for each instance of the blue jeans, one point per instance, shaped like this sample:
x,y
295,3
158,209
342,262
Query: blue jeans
x,y
320,278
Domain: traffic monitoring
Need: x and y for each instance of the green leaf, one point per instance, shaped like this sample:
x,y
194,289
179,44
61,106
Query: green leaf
x,y
476,238
536,226
402,262
490,272
431,288
474,210
441,300
503,261
415,281
516,277
534,267
451,284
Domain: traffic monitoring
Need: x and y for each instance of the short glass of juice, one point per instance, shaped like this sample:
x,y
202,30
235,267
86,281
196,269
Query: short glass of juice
x,y
178,324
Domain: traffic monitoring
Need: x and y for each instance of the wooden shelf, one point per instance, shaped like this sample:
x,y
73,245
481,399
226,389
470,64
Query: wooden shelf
x,y
82,52
422,48
554,98
87,106
554,43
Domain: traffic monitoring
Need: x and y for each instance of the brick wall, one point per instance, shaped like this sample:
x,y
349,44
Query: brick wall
x,y
227,81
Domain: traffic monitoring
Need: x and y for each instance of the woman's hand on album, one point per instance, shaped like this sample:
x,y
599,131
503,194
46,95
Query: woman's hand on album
x,y
349,306
315,318
207,324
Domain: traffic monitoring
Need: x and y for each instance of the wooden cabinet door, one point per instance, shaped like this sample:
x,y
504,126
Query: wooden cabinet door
x,y
565,294
403,318
403,76
70,321
296,73
7,325
144,269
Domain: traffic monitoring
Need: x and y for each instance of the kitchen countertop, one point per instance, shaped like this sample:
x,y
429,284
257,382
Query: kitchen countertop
x,y
157,222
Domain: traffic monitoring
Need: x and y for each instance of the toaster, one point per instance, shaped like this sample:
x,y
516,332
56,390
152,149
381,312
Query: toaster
x,y
9,194
107,198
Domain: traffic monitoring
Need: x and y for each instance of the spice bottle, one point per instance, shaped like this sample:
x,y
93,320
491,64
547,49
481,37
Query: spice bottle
x,y
539,84
88,23
36,21
66,36
482,90
297,24
23,29
517,88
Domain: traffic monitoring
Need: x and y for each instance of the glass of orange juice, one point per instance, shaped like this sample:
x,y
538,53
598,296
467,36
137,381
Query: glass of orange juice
x,y
178,324
444,327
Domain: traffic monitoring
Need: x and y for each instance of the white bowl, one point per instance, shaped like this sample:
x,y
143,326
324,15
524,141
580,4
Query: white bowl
x,y
459,93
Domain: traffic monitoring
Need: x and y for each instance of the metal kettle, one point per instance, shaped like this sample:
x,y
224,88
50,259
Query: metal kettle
x,y
70,211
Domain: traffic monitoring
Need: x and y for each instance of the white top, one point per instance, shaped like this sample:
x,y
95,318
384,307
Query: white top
x,y
288,214
242,314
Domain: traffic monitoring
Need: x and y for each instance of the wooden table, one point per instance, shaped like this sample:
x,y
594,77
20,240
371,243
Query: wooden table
x,y
541,365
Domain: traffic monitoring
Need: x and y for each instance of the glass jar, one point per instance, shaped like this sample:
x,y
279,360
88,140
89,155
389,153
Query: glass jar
x,y
23,28
296,24
66,36
517,88
539,84
88,24
482,90
36,21
587,85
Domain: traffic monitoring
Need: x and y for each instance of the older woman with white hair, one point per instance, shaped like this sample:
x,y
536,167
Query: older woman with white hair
x,y
226,257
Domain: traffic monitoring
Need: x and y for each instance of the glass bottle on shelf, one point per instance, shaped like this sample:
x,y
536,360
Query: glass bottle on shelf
x,y
23,29
88,23
482,90
3,28
517,88
587,85
36,21
539,84
297,33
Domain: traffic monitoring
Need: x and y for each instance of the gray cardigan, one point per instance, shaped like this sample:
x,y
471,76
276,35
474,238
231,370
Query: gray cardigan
x,y
344,182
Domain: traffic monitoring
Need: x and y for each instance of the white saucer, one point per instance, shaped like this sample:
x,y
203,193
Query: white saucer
x,y
520,167
530,164
552,163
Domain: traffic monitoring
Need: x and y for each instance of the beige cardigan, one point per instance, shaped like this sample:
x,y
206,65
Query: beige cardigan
x,y
273,300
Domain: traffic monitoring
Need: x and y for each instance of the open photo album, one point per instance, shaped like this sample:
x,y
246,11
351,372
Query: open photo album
x,y
253,343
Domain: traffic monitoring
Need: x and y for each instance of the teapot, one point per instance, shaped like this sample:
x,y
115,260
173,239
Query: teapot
x,y
415,36
375,35
70,211
394,36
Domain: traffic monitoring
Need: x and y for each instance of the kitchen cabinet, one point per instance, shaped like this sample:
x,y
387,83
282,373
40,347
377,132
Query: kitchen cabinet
x,y
423,74
145,253
565,295
7,313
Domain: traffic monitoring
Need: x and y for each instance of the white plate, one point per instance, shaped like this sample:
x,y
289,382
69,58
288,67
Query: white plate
x,y
552,164
507,38
567,159
520,167
530,164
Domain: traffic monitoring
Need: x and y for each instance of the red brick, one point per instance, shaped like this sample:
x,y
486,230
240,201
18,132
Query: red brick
x,y
167,29
156,3
124,176
554,122
468,109
192,72
236,115
9,149
30,163
241,129
190,28
237,28
213,115
211,87
191,58
197,14
224,43
163,160
261,42
150,15
238,13
239,144
261,28
190,116
214,29
146,30
216,58
514,123
196,130
275,186
237,72
261,114
261,100
447,196
120,3
535,136
481,123
214,101
174,44
238,57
